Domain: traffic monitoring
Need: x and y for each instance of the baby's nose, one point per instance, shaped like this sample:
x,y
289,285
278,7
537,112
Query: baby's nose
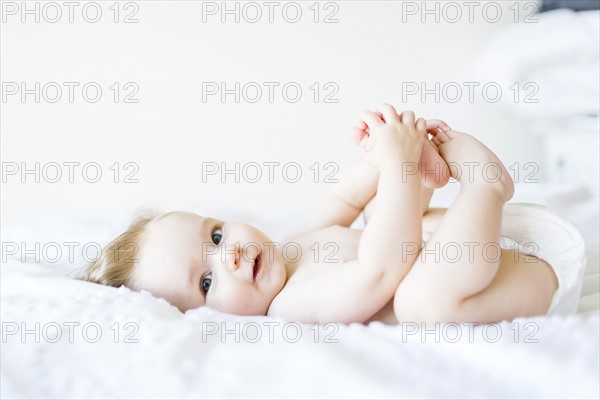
x,y
233,257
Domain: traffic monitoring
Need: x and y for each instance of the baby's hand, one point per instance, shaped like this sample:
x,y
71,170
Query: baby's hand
x,y
389,137
360,135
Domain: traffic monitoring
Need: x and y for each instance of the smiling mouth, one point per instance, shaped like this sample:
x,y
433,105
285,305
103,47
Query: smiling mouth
x,y
256,267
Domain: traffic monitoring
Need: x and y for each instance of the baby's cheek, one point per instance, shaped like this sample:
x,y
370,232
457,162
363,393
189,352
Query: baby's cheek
x,y
240,301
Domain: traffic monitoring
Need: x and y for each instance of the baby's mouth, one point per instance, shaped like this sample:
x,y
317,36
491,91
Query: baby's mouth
x,y
256,267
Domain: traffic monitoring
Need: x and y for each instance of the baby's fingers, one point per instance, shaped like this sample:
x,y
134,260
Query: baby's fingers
x,y
388,112
371,119
361,138
434,124
362,125
357,135
407,117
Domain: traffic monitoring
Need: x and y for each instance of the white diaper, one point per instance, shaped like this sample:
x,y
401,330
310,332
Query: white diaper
x,y
535,230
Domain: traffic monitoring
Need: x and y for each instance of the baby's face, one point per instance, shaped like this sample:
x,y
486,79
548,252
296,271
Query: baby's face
x,y
192,261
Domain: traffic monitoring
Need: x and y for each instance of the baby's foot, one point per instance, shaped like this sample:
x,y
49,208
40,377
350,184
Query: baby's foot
x,y
472,163
433,168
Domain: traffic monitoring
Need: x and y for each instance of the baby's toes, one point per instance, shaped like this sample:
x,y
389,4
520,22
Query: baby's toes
x,y
421,126
442,137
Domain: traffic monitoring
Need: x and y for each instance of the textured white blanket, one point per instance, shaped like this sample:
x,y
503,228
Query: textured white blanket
x,y
117,343
63,338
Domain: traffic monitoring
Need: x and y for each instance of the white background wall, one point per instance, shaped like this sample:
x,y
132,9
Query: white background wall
x,y
170,132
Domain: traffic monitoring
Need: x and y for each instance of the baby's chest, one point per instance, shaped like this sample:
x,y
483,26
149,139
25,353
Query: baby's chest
x,y
320,251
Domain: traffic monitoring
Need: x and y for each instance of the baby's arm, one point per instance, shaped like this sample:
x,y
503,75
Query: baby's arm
x,y
396,222
426,195
354,291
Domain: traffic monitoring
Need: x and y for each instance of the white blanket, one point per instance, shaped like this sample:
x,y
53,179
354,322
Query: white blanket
x,y
187,355
193,355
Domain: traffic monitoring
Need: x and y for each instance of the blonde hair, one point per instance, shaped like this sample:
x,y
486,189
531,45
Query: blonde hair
x,y
116,263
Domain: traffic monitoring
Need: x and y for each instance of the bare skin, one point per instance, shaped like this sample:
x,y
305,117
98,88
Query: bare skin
x,y
534,283
482,288
395,270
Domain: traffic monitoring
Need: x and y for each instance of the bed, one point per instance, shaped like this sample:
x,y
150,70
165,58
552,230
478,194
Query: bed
x,y
64,338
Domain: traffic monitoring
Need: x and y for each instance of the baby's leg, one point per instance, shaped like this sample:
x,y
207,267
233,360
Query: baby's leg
x,y
462,256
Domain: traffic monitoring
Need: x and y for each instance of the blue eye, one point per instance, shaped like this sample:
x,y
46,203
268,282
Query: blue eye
x,y
205,283
216,235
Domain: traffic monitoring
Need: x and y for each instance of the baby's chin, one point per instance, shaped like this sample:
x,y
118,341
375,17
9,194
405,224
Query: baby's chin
x,y
257,310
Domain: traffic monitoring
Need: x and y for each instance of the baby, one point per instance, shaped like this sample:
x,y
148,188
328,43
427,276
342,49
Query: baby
x,y
392,271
